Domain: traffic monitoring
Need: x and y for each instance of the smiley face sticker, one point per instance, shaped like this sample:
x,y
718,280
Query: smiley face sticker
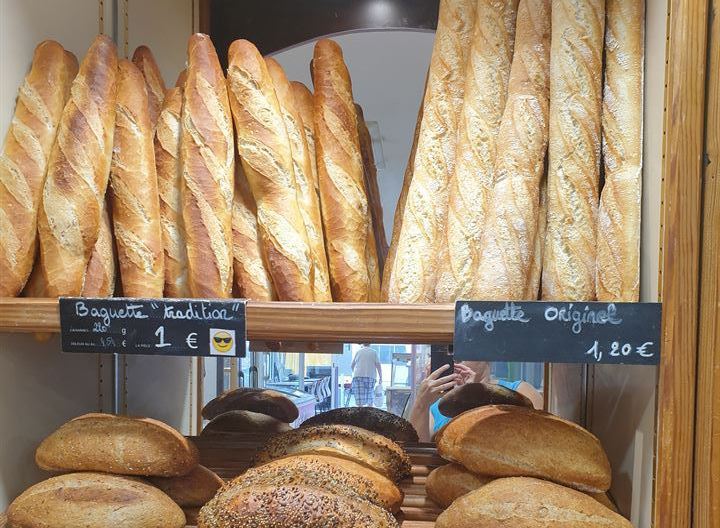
x,y
222,342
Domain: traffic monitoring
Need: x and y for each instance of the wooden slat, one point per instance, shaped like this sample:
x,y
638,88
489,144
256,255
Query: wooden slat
x,y
286,321
706,509
682,174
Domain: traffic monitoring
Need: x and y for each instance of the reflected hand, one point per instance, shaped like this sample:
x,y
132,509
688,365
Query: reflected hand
x,y
465,374
433,386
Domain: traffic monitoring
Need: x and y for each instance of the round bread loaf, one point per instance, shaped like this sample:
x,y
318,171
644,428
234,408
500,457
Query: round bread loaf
x,y
191,490
117,444
471,395
94,500
512,441
446,483
528,503
376,420
261,401
244,422
191,515
335,475
343,441
290,506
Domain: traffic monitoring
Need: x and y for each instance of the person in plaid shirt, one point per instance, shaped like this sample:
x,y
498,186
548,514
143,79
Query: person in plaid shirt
x,y
364,365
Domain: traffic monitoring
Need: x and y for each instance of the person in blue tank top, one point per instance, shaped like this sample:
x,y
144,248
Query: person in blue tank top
x,y
425,415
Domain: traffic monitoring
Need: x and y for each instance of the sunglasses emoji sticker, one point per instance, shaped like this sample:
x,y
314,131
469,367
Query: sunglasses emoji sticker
x,y
222,342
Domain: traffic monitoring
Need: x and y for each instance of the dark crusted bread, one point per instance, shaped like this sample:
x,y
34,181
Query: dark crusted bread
x,y
290,506
342,441
471,395
332,474
376,420
262,401
244,422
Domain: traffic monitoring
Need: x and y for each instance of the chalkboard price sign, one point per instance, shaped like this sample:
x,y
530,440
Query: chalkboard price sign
x,y
558,332
168,327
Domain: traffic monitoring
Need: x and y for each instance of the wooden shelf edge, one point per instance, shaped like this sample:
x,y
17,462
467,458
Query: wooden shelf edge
x,y
285,321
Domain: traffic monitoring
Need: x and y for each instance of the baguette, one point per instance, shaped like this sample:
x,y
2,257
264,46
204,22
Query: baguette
x,y
508,441
617,275
415,265
94,500
377,243
117,444
533,285
207,158
252,279
24,160
304,103
507,250
345,214
78,170
469,195
264,147
307,198
447,483
101,271
576,58
135,203
528,503
145,62
169,176
191,490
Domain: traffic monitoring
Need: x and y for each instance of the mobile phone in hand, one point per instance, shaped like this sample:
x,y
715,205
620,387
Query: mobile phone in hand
x,y
442,355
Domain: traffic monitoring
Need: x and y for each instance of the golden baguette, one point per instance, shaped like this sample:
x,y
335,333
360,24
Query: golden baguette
x,y
78,170
145,61
264,147
24,159
133,179
507,251
207,158
169,176
308,200
576,58
101,271
415,265
533,284
470,185
346,217
617,275
304,103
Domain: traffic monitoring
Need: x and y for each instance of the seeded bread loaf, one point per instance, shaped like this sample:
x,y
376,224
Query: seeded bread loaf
x,y
192,490
263,401
376,420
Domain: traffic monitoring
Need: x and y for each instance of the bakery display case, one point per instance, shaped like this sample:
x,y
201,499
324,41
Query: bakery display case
x,y
646,434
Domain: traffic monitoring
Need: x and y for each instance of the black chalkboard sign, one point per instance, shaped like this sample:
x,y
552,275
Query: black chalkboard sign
x,y
558,332
168,327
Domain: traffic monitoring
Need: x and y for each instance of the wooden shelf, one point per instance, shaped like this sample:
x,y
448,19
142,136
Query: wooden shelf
x,y
286,321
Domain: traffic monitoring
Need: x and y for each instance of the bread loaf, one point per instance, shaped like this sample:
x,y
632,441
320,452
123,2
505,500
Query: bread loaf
x,y
308,200
264,147
252,278
576,58
101,270
145,62
446,483
117,444
507,440
335,475
345,213
263,401
207,158
376,420
618,233
192,514
24,160
135,203
304,104
533,285
191,490
244,422
181,79
471,395
296,506
78,170
170,182
507,250
470,186
342,441
94,500
528,503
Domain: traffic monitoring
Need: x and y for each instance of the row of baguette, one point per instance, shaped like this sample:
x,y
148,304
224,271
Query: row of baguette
x,y
196,207
483,214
